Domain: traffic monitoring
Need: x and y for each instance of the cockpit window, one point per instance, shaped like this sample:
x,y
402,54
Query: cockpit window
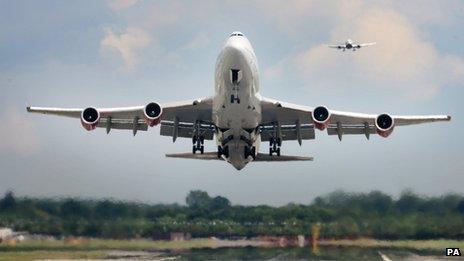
x,y
236,34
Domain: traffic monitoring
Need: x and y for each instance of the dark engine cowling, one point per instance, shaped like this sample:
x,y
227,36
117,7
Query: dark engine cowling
x,y
89,118
384,124
152,113
321,117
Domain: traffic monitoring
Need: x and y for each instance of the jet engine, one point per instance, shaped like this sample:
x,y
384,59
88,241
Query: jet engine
x,y
89,118
152,113
384,124
321,117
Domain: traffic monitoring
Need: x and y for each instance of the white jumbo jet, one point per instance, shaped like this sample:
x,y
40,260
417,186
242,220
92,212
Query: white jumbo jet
x,y
350,45
237,116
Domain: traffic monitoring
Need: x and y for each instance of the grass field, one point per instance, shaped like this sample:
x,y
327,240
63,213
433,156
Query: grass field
x,y
105,244
101,248
439,244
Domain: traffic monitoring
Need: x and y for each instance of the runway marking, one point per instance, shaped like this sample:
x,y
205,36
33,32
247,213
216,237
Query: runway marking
x,y
384,257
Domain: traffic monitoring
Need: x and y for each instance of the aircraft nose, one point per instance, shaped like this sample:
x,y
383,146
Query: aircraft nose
x,y
236,33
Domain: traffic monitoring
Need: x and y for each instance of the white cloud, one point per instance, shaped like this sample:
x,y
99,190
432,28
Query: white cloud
x,y
401,59
17,133
118,5
199,41
126,44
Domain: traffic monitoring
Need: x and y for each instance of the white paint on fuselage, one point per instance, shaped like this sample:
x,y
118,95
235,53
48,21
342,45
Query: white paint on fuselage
x,y
235,118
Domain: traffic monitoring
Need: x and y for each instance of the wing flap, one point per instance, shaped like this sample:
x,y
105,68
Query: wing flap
x,y
350,129
185,130
289,132
122,125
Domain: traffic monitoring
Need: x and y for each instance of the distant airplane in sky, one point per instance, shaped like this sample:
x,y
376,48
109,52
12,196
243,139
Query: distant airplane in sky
x,y
237,116
349,44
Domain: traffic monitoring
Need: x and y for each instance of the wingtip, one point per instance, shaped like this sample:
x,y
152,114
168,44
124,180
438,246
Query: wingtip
x,y
448,118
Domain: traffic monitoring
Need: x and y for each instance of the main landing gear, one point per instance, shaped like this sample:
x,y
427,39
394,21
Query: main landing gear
x,y
274,146
250,151
223,151
198,144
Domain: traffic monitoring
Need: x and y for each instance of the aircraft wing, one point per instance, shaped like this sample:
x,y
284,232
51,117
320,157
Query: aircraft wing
x,y
182,114
365,44
295,122
336,46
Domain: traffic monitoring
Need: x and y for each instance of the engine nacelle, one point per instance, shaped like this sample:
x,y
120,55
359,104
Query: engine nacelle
x,y
321,117
152,113
384,124
89,118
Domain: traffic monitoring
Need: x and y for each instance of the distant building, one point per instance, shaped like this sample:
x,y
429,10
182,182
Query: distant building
x,y
180,236
5,234
9,236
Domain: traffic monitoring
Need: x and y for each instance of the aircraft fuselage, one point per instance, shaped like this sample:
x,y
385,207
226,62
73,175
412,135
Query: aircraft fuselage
x,y
236,103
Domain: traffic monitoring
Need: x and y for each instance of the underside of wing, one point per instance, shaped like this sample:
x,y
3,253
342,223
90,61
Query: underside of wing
x,y
177,119
287,121
366,44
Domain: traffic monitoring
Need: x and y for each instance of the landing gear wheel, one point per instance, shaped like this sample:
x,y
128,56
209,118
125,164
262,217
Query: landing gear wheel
x,y
223,151
198,142
250,152
274,146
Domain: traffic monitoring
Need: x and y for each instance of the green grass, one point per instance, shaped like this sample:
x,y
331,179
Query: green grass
x,y
33,255
98,248
439,244
105,244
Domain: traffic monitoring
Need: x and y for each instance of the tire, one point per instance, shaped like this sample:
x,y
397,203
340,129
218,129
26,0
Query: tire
x,y
202,149
194,149
278,152
270,151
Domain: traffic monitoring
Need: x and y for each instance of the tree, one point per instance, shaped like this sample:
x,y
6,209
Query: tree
x,y
219,203
8,201
198,199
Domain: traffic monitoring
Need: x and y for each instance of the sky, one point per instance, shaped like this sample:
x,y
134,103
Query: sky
x,y
131,52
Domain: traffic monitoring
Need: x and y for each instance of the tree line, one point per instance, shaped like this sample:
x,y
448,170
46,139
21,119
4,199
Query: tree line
x,y
338,215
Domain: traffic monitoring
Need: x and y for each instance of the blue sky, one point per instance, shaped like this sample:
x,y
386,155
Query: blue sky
x,y
129,52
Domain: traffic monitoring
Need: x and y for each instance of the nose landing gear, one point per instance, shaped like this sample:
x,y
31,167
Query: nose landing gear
x,y
274,146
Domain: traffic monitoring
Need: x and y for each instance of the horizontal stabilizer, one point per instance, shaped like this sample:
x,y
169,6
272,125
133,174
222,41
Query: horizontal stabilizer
x,y
267,157
189,155
260,157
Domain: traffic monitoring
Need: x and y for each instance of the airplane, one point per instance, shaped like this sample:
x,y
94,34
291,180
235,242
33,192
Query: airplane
x,y
350,45
237,116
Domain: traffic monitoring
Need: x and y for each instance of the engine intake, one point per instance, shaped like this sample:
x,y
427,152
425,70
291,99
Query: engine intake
x,y
321,117
90,118
384,124
152,113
